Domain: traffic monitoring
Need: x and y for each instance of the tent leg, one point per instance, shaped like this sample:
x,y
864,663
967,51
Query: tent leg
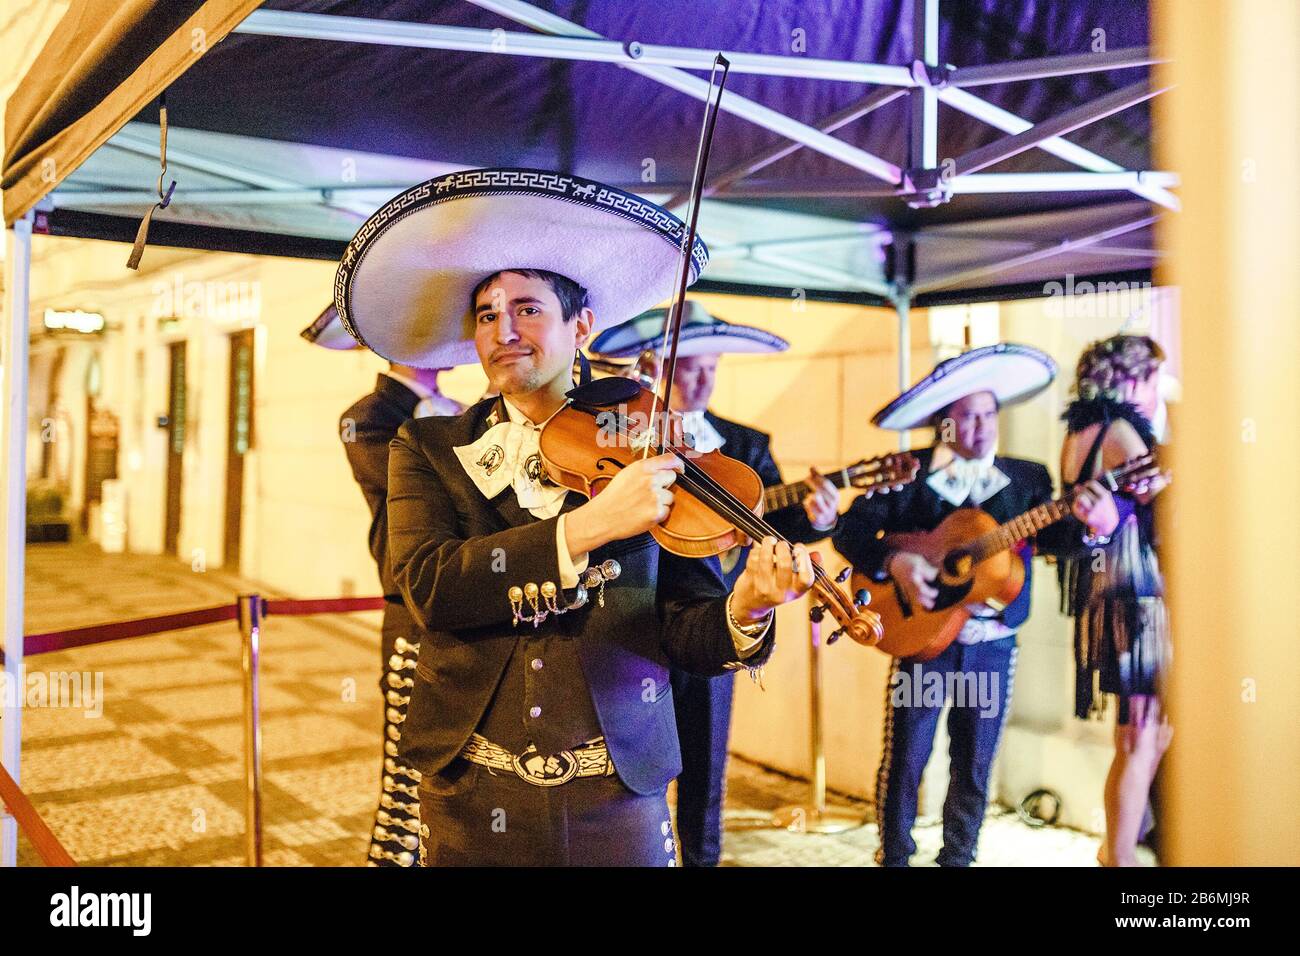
x,y
903,305
13,519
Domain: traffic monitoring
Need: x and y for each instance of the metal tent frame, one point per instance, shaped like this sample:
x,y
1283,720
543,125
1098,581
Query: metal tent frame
x,y
923,181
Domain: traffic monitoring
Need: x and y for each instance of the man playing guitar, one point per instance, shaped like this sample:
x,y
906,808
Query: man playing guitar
x,y
961,400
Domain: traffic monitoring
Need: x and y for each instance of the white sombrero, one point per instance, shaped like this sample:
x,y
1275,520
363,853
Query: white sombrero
x,y
702,334
403,287
1013,373
328,332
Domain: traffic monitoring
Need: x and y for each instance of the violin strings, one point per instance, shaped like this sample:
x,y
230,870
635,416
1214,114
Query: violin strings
x,y
756,527
732,508
706,487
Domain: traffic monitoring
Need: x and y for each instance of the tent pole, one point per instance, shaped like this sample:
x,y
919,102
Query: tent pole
x,y
903,306
13,519
924,151
999,118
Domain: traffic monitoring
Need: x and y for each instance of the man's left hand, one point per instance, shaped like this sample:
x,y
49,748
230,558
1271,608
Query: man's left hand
x,y
822,503
775,572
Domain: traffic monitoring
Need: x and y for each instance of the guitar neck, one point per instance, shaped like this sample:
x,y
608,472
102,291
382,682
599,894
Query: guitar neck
x,y
776,497
1009,533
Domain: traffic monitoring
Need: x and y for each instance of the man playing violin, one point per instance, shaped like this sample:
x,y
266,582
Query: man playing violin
x,y
541,717
961,400
703,705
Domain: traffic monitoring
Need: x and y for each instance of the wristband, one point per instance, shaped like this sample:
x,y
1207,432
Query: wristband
x,y
749,630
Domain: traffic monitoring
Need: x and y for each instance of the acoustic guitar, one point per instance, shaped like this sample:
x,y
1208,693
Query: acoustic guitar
x,y
977,565
873,475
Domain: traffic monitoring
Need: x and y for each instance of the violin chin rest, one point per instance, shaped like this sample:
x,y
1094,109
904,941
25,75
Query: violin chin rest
x,y
604,392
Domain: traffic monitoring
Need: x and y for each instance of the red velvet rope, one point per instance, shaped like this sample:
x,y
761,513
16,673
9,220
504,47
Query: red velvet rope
x,y
47,844
141,626
323,605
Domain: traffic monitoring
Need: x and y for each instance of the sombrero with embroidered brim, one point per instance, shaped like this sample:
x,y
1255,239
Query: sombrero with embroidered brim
x,y
1013,373
403,287
702,334
328,332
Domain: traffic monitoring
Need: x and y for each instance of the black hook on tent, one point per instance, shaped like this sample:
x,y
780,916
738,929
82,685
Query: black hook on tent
x,y
164,199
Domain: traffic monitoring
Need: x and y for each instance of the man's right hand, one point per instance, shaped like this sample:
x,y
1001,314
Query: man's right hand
x,y
634,501
913,574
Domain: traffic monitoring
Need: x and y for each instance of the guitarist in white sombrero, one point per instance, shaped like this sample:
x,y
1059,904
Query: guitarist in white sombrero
x,y
961,400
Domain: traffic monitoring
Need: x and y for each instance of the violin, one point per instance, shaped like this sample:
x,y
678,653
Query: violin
x,y
717,504
718,501
608,424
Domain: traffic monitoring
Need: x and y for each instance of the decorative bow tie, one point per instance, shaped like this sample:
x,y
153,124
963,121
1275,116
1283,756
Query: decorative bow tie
x,y
967,479
507,454
705,436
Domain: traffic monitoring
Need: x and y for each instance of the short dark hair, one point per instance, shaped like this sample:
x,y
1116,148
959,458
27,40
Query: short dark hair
x,y
937,419
573,297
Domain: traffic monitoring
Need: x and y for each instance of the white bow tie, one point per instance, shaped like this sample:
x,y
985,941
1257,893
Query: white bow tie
x,y
507,454
966,479
705,436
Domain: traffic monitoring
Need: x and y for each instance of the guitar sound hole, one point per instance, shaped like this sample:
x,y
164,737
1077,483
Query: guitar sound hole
x,y
956,566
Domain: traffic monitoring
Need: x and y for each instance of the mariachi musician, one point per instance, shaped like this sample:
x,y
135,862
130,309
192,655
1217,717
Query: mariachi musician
x,y
703,705
541,717
960,400
366,428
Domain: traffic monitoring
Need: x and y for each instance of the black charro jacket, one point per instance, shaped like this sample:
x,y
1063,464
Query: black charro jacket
x,y
366,429
917,508
456,554
754,448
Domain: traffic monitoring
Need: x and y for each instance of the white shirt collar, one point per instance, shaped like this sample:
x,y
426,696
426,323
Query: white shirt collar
x,y
706,437
960,480
944,455
507,455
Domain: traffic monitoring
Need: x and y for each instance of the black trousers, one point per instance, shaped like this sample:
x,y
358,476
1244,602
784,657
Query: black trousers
x,y
983,675
473,816
703,706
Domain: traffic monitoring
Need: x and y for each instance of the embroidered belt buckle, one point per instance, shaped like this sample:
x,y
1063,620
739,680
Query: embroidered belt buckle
x,y
589,760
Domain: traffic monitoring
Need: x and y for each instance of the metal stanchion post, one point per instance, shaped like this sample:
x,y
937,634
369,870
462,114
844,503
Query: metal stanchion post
x,y
250,625
816,817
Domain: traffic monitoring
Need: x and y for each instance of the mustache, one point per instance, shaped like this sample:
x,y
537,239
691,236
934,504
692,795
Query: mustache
x,y
509,350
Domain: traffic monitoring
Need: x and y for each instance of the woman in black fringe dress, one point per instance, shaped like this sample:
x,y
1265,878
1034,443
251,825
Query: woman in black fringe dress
x,y
1113,588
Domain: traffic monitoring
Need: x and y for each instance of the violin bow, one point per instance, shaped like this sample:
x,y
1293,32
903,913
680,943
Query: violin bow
x,y
673,327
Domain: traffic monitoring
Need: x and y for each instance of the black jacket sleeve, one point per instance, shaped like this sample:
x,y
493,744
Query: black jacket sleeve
x,y
859,537
1064,538
451,583
693,631
366,444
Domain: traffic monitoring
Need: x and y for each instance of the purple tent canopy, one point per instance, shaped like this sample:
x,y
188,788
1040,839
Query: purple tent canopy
x,y
931,209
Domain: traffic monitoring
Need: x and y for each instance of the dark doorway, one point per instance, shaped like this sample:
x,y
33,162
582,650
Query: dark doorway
x,y
176,412
239,438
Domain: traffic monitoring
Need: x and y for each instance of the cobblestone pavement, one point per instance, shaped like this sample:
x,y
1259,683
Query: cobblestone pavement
x,y
151,772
